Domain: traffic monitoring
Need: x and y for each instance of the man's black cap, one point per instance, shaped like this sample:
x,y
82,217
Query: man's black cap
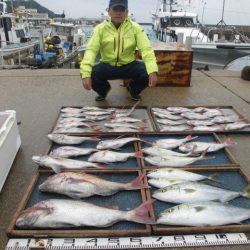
x,y
122,3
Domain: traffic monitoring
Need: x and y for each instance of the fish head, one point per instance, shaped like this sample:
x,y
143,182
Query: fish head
x,y
28,218
101,145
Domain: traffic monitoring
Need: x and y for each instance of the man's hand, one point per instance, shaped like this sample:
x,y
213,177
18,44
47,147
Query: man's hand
x,y
87,83
152,79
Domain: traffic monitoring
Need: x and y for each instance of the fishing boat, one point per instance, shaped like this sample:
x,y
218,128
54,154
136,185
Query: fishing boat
x,y
220,46
15,42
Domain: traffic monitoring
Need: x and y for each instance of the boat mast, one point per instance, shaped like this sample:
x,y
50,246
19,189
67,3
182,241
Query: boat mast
x,y
221,22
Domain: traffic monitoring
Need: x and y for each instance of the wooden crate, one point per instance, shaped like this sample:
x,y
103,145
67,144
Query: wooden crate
x,y
123,199
231,178
175,67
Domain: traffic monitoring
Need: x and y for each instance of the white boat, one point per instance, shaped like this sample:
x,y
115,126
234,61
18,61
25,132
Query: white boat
x,y
172,22
15,43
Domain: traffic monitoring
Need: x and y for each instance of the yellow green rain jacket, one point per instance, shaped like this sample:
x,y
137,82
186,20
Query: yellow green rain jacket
x,y
117,46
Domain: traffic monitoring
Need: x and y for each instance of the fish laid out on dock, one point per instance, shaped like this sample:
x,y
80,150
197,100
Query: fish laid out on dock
x,y
70,213
173,143
196,192
70,140
157,151
81,185
58,163
116,143
162,182
178,174
106,156
69,151
203,214
199,147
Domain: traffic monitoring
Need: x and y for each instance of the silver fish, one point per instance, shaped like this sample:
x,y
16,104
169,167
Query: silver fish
x,y
106,156
171,122
86,108
81,185
116,143
126,129
156,151
200,123
122,113
200,110
203,214
178,110
72,130
70,140
198,147
178,174
97,117
196,192
97,113
166,128
164,182
213,113
127,120
168,116
123,125
71,110
172,143
235,126
194,116
207,128
71,213
225,119
75,124
68,151
58,163
72,120
75,115
172,161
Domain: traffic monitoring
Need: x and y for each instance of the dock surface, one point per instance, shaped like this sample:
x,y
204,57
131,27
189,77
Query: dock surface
x,y
38,95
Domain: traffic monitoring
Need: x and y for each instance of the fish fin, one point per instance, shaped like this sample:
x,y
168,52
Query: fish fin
x,y
139,154
199,208
56,169
140,214
189,190
213,177
246,192
137,183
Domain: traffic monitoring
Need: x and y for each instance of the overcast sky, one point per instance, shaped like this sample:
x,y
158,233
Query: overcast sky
x,y
236,11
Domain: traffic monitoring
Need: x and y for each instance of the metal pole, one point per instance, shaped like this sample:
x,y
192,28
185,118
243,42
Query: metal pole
x,y
203,13
222,17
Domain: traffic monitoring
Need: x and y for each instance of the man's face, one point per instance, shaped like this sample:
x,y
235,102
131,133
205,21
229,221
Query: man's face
x,y
118,14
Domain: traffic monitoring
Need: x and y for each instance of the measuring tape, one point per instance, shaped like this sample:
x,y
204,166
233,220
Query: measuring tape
x,y
129,242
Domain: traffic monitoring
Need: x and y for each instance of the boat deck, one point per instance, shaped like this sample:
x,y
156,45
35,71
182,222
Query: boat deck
x,y
37,96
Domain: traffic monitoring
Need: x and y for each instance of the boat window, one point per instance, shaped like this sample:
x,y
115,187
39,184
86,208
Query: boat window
x,y
188,22
20,33
176,22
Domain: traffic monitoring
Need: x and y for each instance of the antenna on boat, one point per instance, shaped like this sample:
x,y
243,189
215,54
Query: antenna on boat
x,y
221,22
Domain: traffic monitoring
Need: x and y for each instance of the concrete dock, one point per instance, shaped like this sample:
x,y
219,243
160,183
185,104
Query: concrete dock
x,y
37,96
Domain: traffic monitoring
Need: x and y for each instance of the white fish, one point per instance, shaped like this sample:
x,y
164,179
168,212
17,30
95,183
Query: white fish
x,y
60,213
173,161
73,130
168,116
196,192
71,110
213,112
165,128
194,116
92,108
203,214
123,125
173,143
198,147
200,123
156,151
122,113
178,110
97,117
106,156
98,113
81,185
75,124
171,122
200,110
72,120
69,151
75,115
58,163
235,126
127,120
178,174
116,143
207,128
164,182
225,119
126,129
70,140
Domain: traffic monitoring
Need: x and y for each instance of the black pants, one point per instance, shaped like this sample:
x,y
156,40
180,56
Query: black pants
x,y
135,70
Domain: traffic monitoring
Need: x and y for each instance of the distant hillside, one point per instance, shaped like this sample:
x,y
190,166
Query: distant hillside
x,y
31,4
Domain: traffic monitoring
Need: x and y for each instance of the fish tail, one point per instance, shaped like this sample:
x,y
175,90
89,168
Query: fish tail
x,y
140,214
139,154
246,192
214,178
56,169
95,138
137,183
229,142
